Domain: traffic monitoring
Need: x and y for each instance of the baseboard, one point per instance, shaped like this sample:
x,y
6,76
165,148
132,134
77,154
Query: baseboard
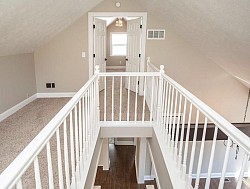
x,y
20,105
148,177
55,95
17,107
124,143
218,175
115,67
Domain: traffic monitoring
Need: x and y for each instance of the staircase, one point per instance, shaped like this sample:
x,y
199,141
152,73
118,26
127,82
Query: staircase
x,y
173,122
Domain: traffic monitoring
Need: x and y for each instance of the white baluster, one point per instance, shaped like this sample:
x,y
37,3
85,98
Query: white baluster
x,y
171,117
84,128
197,181
128,98
160,92
144,99
182,134
186,142
77,145
37,173
72,152
136,98
152,99
113,85
211,161
242,169
66,157
174,122
165,109
59,159
168,112
177,128
80,137
163,102
50,170
193,148
19,184
120,114
222,179
105,98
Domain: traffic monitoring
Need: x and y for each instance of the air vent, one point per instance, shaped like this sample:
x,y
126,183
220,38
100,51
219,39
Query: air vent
x,y
156,34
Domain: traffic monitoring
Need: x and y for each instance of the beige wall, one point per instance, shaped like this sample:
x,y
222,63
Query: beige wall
x,y
60,61
115,60
17,79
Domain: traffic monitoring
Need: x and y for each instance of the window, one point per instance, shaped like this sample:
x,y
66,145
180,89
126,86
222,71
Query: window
x,y
118,46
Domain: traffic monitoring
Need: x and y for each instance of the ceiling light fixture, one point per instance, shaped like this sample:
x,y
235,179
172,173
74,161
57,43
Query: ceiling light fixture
x,y
118,22
117,4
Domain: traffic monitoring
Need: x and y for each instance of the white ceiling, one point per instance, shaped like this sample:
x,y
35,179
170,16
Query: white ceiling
x,y
26,24
220,29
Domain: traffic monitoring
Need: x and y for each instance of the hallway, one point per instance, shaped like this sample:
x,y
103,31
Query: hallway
x,y
121,174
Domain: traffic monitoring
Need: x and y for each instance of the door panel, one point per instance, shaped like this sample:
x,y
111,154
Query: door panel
x,y
133,50
100,47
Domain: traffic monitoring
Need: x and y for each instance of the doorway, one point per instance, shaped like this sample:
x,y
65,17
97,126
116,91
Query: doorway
x,y
94,16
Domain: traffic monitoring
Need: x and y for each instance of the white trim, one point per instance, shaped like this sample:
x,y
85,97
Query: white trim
x,y
115,67
91,16
98,159
17,107
55,95
148,177
122,143
218,175
153,164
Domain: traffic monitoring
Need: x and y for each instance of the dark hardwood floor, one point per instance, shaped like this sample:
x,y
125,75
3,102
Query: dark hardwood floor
x,y
121,174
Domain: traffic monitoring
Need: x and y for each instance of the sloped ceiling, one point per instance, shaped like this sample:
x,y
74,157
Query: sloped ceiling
x,y
220,29
26,24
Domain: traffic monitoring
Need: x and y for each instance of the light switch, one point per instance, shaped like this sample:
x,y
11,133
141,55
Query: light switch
x,y
83,54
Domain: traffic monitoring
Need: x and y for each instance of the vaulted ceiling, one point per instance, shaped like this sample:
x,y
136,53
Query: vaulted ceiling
x,y
26,24
220,29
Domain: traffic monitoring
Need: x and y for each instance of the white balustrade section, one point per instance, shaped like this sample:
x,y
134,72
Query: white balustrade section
x,y
181,119
185,122
74,129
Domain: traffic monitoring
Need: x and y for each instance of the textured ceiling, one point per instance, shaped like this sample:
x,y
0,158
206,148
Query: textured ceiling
x,y
26,24
220,29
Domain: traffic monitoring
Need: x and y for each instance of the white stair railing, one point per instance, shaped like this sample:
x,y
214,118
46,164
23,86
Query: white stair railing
x,y
176,115
73,133
182,116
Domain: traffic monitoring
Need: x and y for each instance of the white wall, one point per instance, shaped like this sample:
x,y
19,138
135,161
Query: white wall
x,y
17,79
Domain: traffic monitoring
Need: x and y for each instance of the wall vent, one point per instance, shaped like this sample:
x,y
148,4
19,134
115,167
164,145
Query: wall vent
x,y
156,34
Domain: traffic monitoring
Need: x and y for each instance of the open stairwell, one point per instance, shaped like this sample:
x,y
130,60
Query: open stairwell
x,y
180,131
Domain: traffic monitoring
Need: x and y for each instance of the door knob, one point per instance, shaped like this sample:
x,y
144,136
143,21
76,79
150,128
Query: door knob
x,y
126,59
105,59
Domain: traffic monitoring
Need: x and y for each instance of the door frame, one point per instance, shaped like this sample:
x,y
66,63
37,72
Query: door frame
x,y
92,15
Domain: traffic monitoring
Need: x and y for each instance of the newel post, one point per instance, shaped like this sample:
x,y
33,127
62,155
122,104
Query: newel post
x,y
160,95
97,71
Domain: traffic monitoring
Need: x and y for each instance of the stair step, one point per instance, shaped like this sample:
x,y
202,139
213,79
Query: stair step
x,y
97,187
150,187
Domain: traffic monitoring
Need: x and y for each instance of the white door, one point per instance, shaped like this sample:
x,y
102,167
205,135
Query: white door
x,y
133,50
100,46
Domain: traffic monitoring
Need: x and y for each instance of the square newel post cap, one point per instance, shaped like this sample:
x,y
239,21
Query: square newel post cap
x,y
97,69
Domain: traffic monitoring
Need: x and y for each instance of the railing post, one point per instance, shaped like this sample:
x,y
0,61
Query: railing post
x,y
97,71
159,104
